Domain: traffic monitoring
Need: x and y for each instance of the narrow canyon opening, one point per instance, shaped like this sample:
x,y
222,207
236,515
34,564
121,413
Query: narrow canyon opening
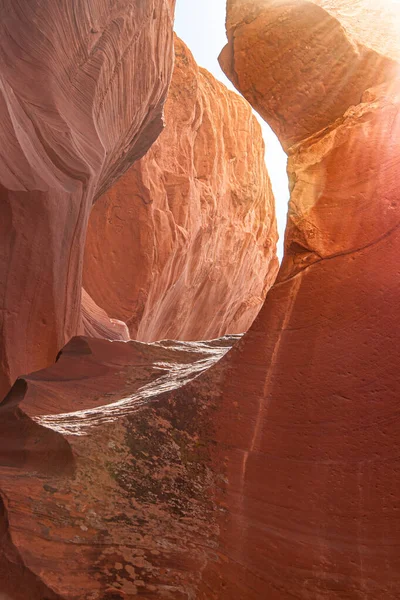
x,y
184,246
201,25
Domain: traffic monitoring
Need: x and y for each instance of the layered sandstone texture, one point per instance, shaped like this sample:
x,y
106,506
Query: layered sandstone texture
x,y
313,481
183,246
275,473
106,483
82,90
127,470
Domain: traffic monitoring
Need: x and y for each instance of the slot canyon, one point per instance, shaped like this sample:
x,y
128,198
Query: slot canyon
x,y
181,416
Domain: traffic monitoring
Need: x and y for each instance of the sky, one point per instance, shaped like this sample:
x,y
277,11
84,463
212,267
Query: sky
x,y
201,25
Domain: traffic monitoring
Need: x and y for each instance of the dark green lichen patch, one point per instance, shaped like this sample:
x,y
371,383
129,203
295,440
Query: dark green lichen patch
x,y
169,463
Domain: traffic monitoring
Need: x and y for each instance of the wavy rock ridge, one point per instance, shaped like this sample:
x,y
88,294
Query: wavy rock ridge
x,y
183,246
59,150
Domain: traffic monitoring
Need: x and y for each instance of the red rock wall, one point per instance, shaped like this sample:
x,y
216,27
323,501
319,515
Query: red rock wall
x,y
307,423
312,486
183,246
82,90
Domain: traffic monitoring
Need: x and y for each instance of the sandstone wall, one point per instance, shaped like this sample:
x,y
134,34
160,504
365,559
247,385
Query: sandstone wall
x,y
314,467
275,474
183,246
302,63
82,90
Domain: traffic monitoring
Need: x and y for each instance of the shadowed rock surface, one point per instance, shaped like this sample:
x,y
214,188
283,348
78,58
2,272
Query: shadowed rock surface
x,y
108,482
82,90
183,246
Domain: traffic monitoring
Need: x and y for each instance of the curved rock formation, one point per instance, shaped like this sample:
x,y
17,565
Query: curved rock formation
x,y
183,246
302,63
125,470
82,90
97,324
313,467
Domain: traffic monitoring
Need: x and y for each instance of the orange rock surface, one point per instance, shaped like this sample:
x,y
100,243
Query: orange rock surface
x,y
302,63
183,246
82,91
312,496
127,470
